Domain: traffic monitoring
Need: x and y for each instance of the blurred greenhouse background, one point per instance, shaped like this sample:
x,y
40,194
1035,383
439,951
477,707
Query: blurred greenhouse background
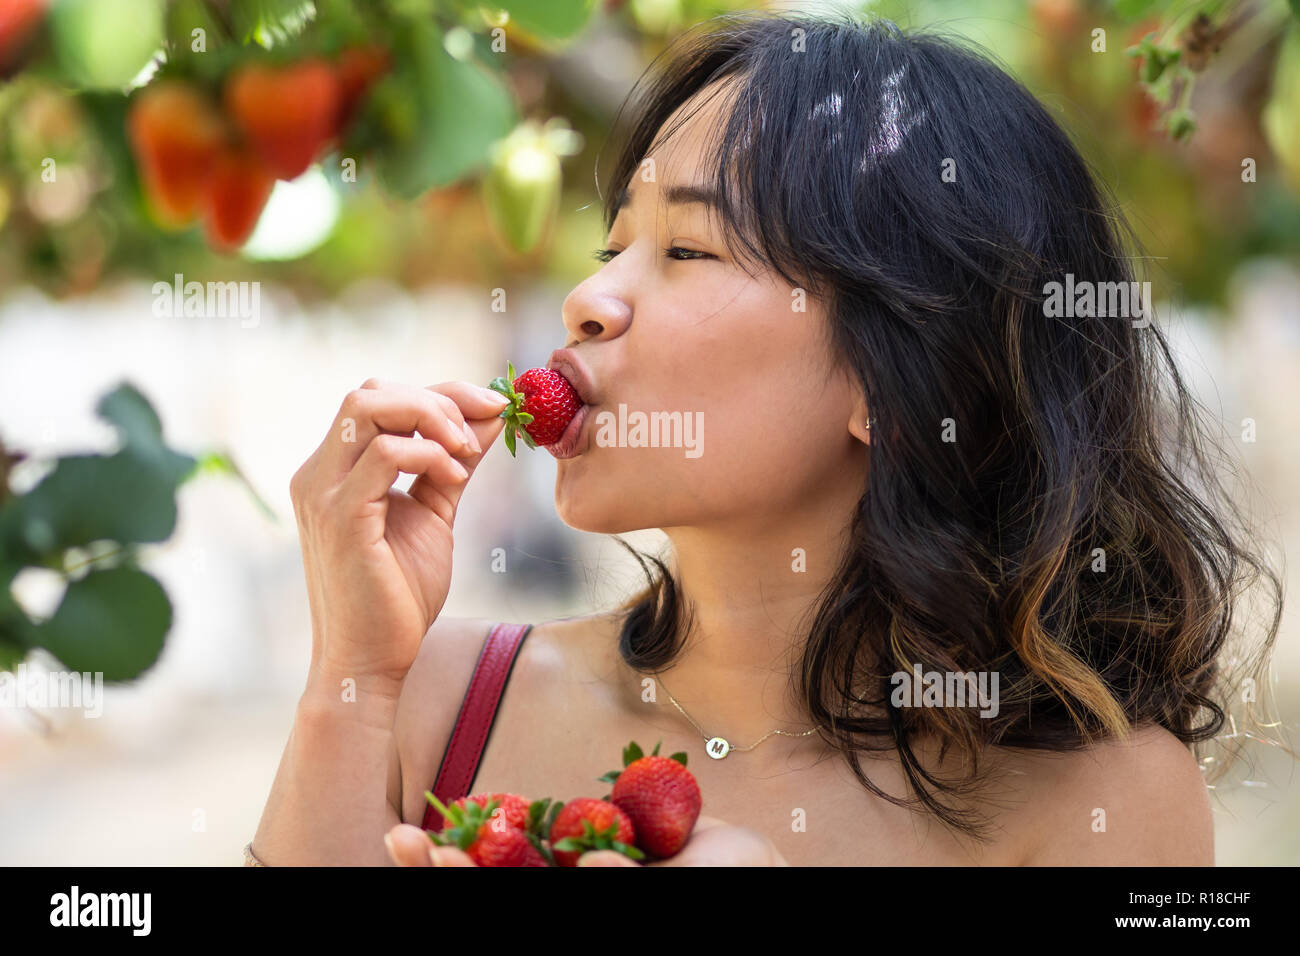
x,y
453,163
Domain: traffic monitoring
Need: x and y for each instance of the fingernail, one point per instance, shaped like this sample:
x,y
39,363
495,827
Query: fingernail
x,y
433,855
493,396
583,861
388,842
461,471
471,438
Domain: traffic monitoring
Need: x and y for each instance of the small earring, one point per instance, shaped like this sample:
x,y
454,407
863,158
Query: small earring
x,y
867,426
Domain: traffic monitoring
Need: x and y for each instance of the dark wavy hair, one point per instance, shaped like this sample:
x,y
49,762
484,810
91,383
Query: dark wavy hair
x,y
1065,434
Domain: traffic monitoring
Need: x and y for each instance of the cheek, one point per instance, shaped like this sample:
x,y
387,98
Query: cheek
x,y
769,427
733,466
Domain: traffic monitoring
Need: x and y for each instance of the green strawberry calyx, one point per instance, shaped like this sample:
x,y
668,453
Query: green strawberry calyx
x,y
514,414
593,839
632,753
464,823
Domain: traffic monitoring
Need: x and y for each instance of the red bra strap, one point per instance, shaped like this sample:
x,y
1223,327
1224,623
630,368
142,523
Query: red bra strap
x,y
477,714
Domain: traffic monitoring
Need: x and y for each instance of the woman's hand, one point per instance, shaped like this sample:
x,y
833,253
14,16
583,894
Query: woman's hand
x,y
712,843
378,561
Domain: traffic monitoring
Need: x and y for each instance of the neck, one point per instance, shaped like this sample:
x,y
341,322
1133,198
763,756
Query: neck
x,y
751,590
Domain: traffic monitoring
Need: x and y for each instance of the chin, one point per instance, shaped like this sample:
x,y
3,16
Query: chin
x,y
596,506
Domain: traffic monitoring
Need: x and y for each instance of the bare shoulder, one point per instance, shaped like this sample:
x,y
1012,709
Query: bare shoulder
x,y
1136,802
427,709
554,656
570,650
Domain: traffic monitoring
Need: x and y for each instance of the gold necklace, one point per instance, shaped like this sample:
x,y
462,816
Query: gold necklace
x,y
719,747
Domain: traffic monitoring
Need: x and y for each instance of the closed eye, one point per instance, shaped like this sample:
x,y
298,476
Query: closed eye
x,y
672,252
677,252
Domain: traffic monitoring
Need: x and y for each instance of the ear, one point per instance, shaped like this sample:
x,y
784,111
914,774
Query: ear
x,y
858,417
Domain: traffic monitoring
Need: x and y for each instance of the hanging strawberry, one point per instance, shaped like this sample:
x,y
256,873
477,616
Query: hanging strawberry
x,y
287,113
234,195
176,135
521,187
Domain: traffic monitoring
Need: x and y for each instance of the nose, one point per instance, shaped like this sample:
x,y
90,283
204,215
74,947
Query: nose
x,y
591,311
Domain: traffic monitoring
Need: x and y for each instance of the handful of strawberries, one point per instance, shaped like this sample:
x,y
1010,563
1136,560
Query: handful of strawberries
x,y
649,813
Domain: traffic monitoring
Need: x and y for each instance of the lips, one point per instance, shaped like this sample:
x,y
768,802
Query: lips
x,y
573,441
568,364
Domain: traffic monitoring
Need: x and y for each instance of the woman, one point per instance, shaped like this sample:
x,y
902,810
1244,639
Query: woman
x,y
834,244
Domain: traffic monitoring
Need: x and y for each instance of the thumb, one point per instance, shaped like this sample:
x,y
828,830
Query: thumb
x,y
605,858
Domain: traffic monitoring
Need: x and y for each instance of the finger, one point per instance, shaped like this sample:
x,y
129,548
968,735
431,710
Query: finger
x,y
408,845
605,858
388,456
379,407
706,823
474,401
482,410
449,856
443,499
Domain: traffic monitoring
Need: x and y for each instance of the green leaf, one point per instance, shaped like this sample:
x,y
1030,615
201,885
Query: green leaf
x,y
140,430
510,440
549,19
125,497
680,757
113,621
130,412
631,753
11,655
627,850
461,109
88,498
554,812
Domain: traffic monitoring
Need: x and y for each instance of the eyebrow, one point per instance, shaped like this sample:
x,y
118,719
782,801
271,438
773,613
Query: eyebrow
x,y
678,195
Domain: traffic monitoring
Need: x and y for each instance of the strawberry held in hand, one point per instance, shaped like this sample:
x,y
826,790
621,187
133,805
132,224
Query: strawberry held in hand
x,y
514,808
660,796
489,840
542,403
588,824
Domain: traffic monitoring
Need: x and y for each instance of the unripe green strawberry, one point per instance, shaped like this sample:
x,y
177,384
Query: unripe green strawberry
x,y
521,187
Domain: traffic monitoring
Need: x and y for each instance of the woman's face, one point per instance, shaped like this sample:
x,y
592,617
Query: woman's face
x,y
765,418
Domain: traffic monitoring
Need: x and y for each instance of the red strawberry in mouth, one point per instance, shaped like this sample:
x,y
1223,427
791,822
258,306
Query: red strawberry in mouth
x,y
542,404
